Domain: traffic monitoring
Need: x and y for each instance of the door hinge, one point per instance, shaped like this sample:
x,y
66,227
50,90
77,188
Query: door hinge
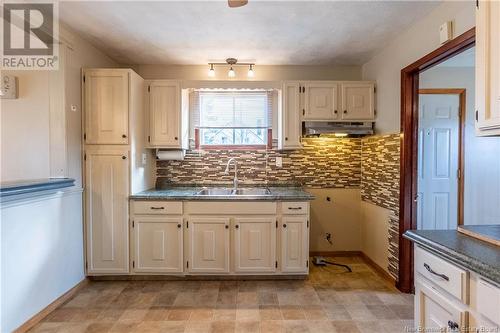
x,y
86,265
303,112
477,115
133,263
187,224
84,136
459,173
149,138
307,263
374,90
133,224
187,264
477,4
307,224
375,112
84,79
276,224
276,264
149,88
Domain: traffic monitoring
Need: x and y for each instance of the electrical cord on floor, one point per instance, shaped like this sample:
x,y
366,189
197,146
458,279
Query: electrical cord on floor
x,y
320,261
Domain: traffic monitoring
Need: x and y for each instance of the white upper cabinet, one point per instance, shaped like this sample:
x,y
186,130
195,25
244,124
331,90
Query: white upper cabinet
x,y
320,101
255,244
488,68
106,211
158,244
358,101
208,244
166,121
289,128
106,96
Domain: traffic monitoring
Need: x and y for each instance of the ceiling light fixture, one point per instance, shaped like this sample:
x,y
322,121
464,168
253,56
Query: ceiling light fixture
x,y
232,62
211,71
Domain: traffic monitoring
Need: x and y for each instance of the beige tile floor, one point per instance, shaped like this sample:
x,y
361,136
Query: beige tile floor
x,y
330,300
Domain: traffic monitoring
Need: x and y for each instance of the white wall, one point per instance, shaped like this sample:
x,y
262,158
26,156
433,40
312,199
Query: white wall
x,y
482,155
262,72
421,39
42,240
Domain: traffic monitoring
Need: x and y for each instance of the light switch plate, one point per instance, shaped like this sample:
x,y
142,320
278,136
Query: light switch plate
x,y
279,161
446,32
8,87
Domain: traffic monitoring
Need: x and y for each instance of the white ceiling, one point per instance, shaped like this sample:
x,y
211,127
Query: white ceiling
x,y
267,32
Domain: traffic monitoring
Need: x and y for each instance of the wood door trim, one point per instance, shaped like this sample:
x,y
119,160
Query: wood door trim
x,y
409,145
461,139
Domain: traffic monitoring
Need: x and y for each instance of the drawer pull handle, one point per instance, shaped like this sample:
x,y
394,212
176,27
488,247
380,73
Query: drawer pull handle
x,y
157,207
452,325
429,269
295,208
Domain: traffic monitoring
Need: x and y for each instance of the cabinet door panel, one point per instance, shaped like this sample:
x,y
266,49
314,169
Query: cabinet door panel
x,y
358,101
106,106
255,244
321,101
158,244
488,68
434,311
208,245
290,130
106,201
294,244
165,114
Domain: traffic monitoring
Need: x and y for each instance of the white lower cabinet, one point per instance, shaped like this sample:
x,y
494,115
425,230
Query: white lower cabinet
x,y
449,298
294,244
255,244
208,242
435,312
158,244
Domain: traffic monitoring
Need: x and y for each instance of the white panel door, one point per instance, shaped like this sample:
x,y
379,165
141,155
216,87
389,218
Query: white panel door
x,y
433,311
106,211
290,127
106,106
488,68
438,161
158,244
321,101
165,114
294,244
255,244
208,244
358,101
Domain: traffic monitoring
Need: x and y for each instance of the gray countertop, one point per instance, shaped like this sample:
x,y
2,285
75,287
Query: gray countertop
x,y
188,193
468,252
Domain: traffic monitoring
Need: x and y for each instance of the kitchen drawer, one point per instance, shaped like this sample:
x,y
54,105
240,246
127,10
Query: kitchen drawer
x,y
450,278
488,301
157,207
295,208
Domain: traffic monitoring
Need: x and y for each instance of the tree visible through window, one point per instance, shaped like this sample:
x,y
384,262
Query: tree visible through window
x,y
233,118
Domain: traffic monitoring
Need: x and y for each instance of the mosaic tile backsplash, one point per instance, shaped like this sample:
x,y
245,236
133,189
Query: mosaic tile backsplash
x,y
322,162
380,184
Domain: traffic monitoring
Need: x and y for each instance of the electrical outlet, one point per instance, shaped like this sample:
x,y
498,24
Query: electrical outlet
x,y
279,162
144,159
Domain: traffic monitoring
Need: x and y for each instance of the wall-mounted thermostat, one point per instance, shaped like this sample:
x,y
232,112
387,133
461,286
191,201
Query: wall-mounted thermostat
x,y
446,32
8,87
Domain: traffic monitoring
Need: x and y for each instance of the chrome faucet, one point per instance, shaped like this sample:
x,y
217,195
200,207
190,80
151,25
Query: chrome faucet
x,y
235,180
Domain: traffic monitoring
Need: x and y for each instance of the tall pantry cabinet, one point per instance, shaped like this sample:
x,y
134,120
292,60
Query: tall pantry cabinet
x,y
116,163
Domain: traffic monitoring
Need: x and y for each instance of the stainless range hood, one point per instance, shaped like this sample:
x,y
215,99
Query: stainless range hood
x,y
316,128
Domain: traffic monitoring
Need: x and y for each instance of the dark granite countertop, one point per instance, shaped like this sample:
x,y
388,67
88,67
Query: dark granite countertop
x,y
188,193
33,185
468,252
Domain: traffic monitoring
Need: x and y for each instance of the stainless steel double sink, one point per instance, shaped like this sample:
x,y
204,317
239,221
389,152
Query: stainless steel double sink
x,y
225,191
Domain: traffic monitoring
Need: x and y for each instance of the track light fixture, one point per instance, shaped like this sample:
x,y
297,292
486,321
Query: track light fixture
x,y
232,62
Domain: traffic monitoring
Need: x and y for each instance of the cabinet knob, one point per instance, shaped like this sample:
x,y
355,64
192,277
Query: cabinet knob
x,y
176,138
284,225
226,226
124,157
124,136
452,325
345,111
286,139
179,226
335,111
237,226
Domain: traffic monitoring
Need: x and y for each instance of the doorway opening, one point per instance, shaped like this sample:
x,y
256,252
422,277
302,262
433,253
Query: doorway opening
x,y
408,203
